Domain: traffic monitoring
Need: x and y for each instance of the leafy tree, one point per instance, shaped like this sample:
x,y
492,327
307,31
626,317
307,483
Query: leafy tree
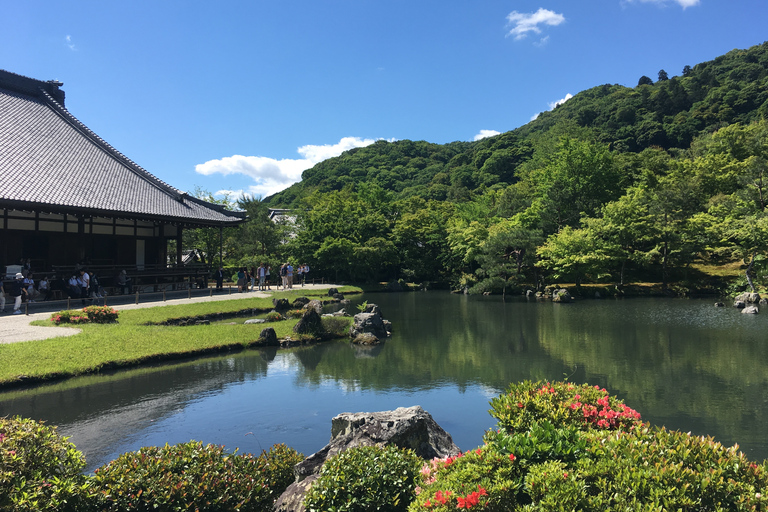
x,y
663,75
213,243
644,80
509,248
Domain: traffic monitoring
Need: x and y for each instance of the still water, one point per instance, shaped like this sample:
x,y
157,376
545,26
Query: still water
x,y
680,363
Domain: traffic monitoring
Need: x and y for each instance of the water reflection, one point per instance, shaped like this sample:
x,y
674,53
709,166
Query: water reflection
x,y
681,363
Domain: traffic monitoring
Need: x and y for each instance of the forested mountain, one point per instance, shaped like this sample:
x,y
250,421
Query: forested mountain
x,y
667,114
615,183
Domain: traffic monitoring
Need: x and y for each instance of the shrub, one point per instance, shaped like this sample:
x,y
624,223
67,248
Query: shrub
x,y
273,316
365,478
561,403
651,468
39,469
294,313
336,325
193,476
481,479
94,314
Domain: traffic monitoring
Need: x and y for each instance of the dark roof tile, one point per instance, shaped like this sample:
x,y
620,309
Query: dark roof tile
x,y
48,157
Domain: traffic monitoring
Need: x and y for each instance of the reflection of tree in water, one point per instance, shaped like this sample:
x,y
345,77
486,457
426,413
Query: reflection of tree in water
x,y
367,351
309,356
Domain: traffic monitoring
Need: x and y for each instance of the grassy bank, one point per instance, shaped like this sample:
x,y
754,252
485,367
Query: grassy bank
x,y
132,342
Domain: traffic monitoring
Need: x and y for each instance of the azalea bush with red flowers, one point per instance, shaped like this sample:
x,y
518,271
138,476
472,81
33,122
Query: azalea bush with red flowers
x,y
89,314
562,403
561,446
480,479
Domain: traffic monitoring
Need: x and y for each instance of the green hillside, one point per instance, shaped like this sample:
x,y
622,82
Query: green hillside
x,y
666,114
617,185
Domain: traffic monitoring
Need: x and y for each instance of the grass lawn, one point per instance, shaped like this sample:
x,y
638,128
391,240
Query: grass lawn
x,y
130,341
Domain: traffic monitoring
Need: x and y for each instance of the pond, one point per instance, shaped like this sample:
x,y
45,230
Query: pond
x,y
681,363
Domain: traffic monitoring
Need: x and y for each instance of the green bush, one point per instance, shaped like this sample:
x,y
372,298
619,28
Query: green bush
x,y
561,403
39,469
650,469
93,314
365,478
551,459
193,476
294,313
336,325
273,316
481,479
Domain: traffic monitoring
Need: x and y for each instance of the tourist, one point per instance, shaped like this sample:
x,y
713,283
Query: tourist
x,y
17,291
284,275
44,287
267,276
240,279
304,274
219,276
289,275
262,277
29,284
124,282
73,287
84,282
254,276
95,288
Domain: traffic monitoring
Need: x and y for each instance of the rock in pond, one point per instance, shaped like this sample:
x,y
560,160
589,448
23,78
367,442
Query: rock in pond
x,y
406,427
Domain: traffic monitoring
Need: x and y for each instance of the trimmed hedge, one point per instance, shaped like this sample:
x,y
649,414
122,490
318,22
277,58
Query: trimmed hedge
x,y
193,476
39,469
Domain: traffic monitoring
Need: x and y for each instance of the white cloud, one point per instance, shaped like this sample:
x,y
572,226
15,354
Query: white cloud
x,y
273,175
682,3
485,134
523,23
69,42
554,104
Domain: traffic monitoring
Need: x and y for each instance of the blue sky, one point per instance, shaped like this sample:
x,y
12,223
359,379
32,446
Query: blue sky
x,y
242,96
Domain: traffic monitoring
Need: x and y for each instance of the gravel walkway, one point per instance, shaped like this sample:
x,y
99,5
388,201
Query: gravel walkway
x,y
17,328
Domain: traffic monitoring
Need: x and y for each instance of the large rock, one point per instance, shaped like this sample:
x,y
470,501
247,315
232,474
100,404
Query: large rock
x,y
366,338
561,296
316,305
268,337
750,310
406,427
281,304
368,322
300,302
310,323
747,297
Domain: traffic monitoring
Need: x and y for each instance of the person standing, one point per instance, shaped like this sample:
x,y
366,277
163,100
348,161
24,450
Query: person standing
x,y
84,282
219,276
304,274
17,291
262,277
267,276
289,274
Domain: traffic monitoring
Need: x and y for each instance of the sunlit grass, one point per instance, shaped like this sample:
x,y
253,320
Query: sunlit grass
x,y
131,341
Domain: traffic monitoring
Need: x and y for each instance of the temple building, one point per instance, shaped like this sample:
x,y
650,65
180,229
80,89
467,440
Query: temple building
x,y
67,196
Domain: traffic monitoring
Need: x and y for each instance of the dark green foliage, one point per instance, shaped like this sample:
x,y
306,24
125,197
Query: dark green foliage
x,y
193,476
39,469
365,478
542,467
336,325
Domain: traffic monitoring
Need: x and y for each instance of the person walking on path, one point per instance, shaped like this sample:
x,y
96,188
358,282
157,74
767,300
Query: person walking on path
x,y
17,291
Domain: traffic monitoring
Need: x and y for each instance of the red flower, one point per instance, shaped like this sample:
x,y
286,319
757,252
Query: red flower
x,y
512,457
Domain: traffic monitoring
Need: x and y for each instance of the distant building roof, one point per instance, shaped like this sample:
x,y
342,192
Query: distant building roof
x,y
51,161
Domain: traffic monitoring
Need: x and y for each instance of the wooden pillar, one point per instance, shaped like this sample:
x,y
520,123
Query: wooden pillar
x,y
179,232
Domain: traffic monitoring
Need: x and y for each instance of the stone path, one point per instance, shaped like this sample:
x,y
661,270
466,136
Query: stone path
x,y
17,328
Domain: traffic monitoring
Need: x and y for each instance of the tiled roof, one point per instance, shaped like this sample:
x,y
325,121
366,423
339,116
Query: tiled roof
x,y
50,160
